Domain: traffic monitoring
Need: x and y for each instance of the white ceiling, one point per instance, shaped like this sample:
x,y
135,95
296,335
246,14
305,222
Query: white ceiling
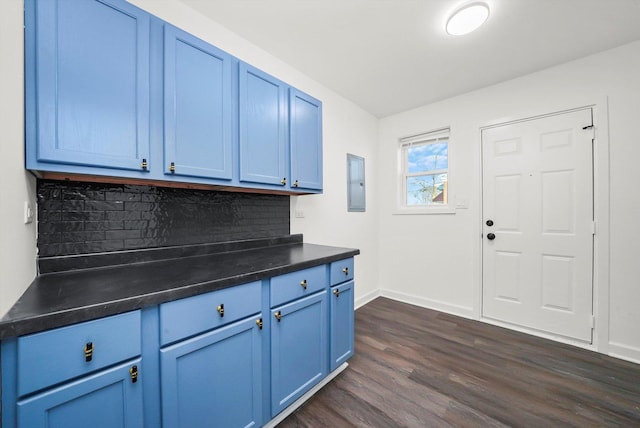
x,y
388,56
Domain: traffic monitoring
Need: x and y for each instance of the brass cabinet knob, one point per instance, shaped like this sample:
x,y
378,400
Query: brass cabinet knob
x,y
259,323
133,372
278,315
295,183
172,167
88,351
303,284
144,165
345,271
220,310
284,181
336,292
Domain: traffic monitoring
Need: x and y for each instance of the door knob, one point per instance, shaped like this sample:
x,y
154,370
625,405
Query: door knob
x,y
489,223
491,236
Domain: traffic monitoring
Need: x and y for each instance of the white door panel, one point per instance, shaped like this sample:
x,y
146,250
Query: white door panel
x,y
538,191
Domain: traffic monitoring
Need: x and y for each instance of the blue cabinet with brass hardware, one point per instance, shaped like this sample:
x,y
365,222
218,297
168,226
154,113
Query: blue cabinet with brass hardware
x,y
238,356
305,135
198,109
280,140
107,399
112,91
72,376
263,120
299,336
341,323
299,343
87,86
215,377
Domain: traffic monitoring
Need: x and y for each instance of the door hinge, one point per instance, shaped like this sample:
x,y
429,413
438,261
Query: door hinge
x,y
592,321
593,227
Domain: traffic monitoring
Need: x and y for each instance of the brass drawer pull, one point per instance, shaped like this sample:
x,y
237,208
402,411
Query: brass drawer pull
x,y
303,284
133,372
284,181
259,323
278,315
144,165
220,309
345,271
172,167
88,351
295,183
336,292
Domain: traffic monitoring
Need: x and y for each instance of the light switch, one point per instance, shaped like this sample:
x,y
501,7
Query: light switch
x,y
299,213
28,212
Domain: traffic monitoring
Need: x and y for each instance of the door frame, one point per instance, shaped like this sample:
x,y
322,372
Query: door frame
x,y
601,215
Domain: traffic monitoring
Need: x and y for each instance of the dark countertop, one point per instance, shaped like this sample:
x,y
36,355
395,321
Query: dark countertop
x,y
66,297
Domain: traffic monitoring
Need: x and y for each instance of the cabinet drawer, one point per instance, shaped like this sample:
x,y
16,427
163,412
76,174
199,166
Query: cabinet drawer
x,y
186,317
54,356
341,271
297,284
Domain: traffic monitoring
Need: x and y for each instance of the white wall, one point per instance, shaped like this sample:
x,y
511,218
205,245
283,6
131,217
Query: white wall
x,y
17,240
346,128
434,260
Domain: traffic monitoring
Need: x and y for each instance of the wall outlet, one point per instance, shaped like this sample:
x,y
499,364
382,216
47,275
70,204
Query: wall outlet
x,y
28,212
299,213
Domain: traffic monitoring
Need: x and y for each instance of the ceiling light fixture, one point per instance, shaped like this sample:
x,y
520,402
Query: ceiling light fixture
x,y
467,18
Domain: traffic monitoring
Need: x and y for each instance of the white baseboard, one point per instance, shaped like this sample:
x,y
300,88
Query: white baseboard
x,y
624,352
363,300
300,401
459,310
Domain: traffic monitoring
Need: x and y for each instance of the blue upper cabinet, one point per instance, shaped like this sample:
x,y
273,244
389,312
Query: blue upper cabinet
x,y
305,133
112,91
87,84
264,156
197,107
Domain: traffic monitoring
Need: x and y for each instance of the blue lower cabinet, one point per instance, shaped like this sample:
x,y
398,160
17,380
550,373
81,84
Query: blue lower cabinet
x,y
212,360
298,349
341,324
108,399
214,380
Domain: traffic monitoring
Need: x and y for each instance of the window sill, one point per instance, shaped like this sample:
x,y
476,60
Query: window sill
x,y
423,211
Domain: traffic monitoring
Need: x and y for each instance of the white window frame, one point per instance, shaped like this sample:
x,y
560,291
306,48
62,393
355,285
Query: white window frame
x,y
424,138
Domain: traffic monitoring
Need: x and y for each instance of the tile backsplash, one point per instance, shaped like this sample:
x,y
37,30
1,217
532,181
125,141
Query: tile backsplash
x,y
82,218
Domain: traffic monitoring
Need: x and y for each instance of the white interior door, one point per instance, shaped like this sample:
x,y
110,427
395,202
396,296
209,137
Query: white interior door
x,y
538,224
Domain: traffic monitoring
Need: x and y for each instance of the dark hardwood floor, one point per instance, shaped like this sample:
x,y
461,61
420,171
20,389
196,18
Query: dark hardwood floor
x,y
416,367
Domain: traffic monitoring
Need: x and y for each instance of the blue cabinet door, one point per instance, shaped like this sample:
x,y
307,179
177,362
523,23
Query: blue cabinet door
x,y
341,324
198,109
214,380
107,399
305,133
264,155
298,349
87,84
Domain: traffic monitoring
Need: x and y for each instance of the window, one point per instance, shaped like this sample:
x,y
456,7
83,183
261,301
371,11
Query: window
x,y
424,173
